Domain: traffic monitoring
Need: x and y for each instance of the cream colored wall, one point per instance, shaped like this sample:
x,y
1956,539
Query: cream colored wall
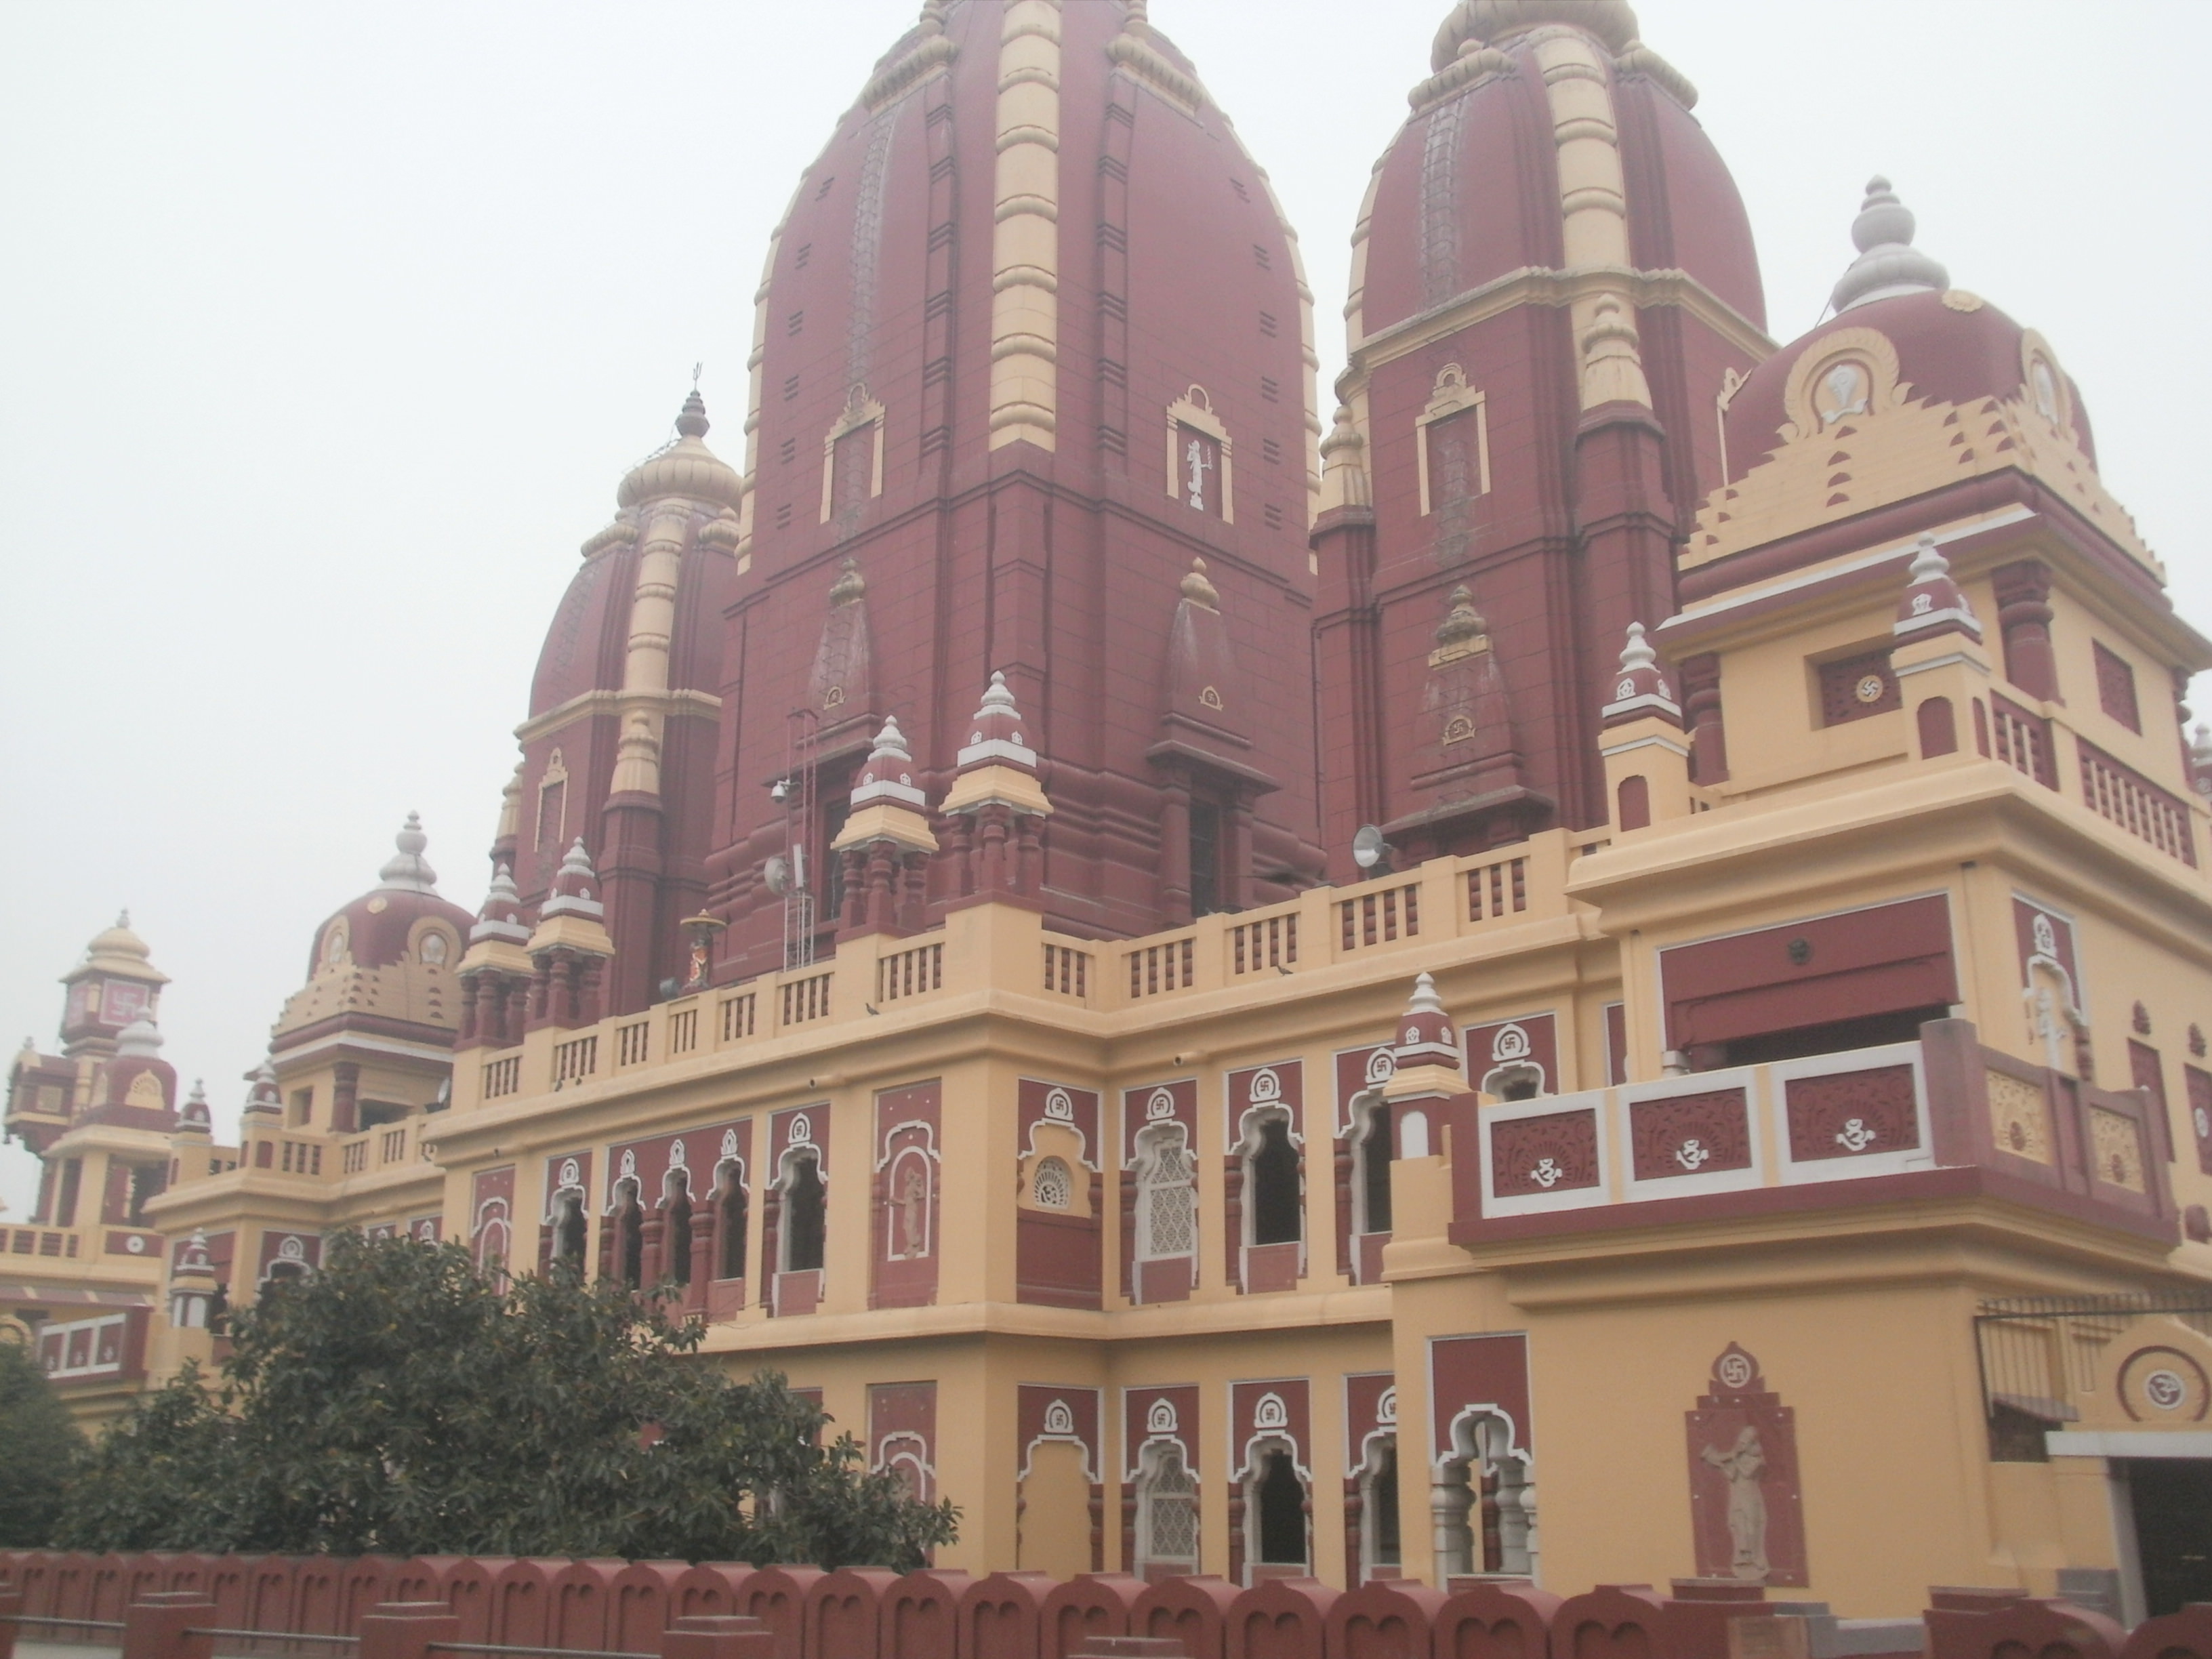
x,y
1872,1352
2078,625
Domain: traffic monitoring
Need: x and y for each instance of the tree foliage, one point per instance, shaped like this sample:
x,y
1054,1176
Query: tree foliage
x,y
38,1445
397,1401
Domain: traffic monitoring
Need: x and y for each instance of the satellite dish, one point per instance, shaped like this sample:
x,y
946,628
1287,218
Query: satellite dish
x,y
1369,850
777,873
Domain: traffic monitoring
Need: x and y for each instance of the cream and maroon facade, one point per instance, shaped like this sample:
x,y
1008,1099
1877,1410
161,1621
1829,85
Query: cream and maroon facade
x,y
1762,1128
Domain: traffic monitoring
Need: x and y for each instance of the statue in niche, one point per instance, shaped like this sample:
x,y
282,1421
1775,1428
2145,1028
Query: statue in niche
x,y
1742,1466
1747,1499
914,1212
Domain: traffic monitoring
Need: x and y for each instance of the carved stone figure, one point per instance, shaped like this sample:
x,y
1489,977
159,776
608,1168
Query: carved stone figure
x,y
1742,1466
914,1212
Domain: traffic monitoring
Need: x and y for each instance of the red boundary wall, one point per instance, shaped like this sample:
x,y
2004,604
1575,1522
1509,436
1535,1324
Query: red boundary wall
x,y
409,1609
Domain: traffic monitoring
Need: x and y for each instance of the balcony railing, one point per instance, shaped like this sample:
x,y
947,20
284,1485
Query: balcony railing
x,y
1943,1113
1483,896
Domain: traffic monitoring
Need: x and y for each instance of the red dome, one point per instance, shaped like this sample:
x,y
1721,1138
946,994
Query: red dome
x,y
1468,191
384,925
1952,348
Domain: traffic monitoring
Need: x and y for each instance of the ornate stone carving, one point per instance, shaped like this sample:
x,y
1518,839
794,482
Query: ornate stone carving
x,y
1690,1134
2164,1386
2019,1118
1852,1114
1554,1153
2116,1150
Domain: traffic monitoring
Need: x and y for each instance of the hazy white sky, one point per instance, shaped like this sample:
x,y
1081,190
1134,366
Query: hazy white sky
x,y
327,331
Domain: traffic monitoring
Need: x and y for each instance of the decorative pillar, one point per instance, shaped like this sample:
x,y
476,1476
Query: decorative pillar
x,y
1175,848
2023,595
345,1097
1701,706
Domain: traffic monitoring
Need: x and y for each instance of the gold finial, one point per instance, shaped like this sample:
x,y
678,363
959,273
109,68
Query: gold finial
x,y
1198,590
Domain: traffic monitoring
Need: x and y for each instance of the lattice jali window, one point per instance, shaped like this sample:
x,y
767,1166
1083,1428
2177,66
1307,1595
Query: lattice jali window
x,y
1856,687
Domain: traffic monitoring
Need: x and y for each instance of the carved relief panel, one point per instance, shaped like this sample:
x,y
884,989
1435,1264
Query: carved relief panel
x,y
906,1196
1747,1506
491,1217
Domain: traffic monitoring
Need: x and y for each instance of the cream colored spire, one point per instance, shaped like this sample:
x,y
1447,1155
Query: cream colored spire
x,y
1025,245
653,622
1343,464
1594,207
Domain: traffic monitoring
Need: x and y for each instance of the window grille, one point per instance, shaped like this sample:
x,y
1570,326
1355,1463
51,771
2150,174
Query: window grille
x,y
1051,1189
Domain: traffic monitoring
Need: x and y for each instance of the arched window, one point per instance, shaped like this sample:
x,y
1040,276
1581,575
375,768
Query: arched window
x,y
1484,1501
1278,1504
630,1236
1167,1511
729,1225
1378,1510
569,1229
1515,1082
1167,1209
677,1236
802,1214
1052,1186
1371,1155
1272,1170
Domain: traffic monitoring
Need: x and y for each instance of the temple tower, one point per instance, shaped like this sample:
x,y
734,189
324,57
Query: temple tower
x,y
1033,338
1553,293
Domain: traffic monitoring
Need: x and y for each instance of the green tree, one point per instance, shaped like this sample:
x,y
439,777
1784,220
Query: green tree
x,y
397,1401
42,1444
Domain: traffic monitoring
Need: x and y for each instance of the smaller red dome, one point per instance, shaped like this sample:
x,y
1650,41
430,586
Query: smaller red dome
x,y
1949,346
1952,348
386,925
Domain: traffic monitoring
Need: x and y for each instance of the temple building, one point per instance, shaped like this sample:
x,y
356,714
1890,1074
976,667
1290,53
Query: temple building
x,y
1596,968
